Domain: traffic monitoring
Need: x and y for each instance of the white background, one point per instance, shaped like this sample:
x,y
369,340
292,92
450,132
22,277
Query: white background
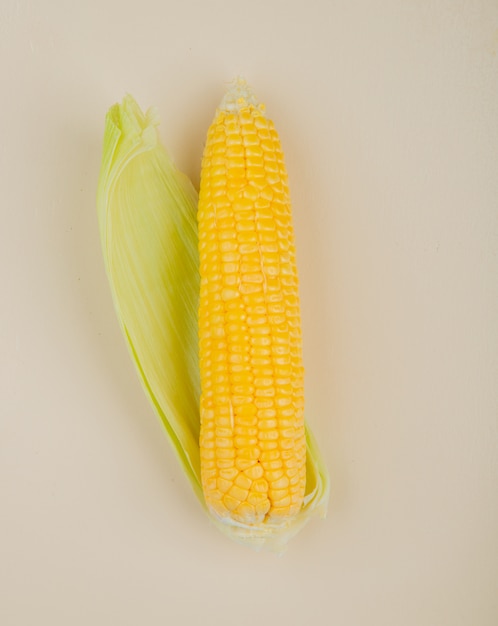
x,y
388,113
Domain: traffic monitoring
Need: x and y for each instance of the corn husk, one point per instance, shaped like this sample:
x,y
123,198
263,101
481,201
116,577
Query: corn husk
x,y
147,219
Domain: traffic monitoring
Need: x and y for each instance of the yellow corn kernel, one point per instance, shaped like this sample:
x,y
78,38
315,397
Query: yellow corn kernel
x,y
247,310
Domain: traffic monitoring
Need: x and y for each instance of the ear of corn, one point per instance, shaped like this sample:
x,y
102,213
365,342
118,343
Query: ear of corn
x,y
253,448
147,217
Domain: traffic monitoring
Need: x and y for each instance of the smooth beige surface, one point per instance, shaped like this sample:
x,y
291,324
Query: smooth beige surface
x,y
388,112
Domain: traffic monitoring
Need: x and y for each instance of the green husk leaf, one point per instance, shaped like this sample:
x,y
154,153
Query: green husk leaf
x,y
147,218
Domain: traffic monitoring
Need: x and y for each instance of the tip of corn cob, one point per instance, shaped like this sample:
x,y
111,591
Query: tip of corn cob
x,y
239,95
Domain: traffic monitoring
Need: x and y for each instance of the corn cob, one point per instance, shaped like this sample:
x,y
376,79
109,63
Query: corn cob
x,y
252,440
147,211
